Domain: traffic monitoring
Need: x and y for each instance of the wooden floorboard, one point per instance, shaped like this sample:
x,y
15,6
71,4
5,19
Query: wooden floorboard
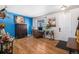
x,y
31,45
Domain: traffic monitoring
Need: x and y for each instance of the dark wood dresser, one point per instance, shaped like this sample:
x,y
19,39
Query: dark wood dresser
x,y
20,30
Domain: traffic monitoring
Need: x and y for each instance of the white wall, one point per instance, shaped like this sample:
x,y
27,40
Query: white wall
x,y
66,20
74,15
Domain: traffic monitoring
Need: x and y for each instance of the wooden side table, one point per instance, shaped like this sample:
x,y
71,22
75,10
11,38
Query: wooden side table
x,y
72,45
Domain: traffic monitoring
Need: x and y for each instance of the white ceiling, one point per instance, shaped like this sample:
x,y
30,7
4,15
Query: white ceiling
x,y
35,10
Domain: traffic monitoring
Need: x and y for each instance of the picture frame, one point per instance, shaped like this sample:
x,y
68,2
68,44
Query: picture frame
x,y
19,20
40,23
51,22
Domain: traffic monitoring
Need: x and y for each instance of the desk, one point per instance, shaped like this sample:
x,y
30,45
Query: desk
x,y
72,45
38,33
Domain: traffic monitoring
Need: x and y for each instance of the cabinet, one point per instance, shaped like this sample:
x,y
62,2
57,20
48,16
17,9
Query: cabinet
x,y
38,33
20,27
20,30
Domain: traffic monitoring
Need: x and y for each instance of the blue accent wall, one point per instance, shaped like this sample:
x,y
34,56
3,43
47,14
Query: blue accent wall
x,y
10,24
29,21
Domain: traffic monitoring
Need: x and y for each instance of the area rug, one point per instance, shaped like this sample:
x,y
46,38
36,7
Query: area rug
x,y
62,45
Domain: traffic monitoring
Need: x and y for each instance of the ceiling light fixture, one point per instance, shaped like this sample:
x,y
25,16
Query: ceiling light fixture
x,y
3,12
64,7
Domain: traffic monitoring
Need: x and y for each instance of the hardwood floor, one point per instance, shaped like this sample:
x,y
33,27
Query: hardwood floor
x,y
30,45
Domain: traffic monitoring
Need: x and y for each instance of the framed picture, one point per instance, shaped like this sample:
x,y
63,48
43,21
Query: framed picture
x,y
19,20
52,22
40,23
